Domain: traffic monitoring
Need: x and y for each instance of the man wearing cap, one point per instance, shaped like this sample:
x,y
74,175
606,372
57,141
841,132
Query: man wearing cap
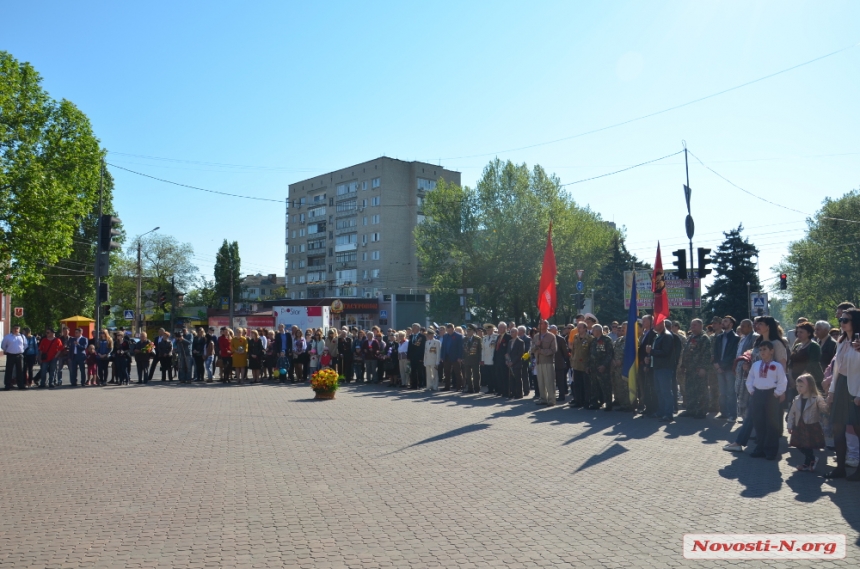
x,y
516,349
432,354
500,365
488,346
415,353
452,358
580,345
600,361
472,360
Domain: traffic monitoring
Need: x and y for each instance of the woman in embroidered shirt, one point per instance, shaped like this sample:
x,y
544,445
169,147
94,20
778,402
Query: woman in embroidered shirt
x,y
844,396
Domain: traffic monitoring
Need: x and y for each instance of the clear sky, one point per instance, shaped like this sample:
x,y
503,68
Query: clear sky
x,y
248,97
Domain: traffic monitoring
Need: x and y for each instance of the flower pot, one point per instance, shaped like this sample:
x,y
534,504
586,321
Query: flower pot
x,y
324,395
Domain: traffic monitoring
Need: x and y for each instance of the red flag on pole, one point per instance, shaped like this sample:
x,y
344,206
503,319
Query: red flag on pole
x,y
658,287
547,300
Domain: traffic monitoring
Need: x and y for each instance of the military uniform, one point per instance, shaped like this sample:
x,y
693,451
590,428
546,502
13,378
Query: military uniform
x,y
600,354
697,356
579,353
619,384
472,363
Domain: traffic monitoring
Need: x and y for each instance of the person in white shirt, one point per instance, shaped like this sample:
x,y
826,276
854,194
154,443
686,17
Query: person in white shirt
x,y
13,345
432,352
766,384
403,358
488,347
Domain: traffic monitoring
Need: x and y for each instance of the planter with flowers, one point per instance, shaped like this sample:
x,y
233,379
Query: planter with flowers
x,y
324,383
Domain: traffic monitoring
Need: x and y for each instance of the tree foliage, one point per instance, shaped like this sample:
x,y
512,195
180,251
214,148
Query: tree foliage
x,y
609,285
49,179
823,267
492,237
733,269
227,261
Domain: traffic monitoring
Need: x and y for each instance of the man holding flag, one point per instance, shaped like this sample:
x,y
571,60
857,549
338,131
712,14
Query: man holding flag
x,y
631,344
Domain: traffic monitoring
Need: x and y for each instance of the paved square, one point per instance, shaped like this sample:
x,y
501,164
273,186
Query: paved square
x,y
262,476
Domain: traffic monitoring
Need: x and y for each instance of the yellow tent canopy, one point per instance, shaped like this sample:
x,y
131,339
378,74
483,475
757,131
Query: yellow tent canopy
x,y
76,320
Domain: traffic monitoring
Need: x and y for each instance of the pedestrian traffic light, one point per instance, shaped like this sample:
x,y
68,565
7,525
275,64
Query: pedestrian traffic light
x,y
162,300
681,263
581,301
105,308
107,231
783,281
704,261
104,294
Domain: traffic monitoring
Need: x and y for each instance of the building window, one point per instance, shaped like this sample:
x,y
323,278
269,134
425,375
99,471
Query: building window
x,y
301,248
316,212
374,201
364,256
343,189
294,233
425,184
319,198
363,203
420,219
374,255
301,217
364,222
345,223
376,182
301,279
374,273
293,281
346,257
315,228
374,237
374,219
302,264
348,276
293,250
364,185
315,244
364,239
302,232
346,239
348,205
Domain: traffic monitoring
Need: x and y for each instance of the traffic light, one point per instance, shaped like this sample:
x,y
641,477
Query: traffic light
x,y
105,308
162,300
783,281
581,301
104,294
681,263
704,261
107,231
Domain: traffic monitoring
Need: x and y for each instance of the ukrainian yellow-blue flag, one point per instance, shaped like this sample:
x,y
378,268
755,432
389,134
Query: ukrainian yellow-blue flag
x,y
631,344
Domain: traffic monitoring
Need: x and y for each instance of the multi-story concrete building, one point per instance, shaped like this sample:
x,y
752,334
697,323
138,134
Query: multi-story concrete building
x,y
350,233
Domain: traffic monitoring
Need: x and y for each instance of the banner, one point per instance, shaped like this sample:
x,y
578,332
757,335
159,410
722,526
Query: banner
x,y
303,316
677,291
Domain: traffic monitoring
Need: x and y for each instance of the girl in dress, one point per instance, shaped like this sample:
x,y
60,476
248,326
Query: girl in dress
x,y
804,421
92,365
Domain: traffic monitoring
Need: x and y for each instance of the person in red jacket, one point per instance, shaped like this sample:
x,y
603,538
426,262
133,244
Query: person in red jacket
x,y
225,349
50,349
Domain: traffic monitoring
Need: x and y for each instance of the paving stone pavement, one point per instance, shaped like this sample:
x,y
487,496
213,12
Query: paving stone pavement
x,y
164,475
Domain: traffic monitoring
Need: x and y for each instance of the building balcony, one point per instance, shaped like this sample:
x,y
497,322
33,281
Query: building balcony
x,y
346,247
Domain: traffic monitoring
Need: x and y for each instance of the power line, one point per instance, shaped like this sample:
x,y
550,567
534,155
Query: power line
x,y
622,170
673,108
195,187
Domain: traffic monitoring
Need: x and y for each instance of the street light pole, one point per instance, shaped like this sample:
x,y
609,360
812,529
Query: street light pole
x,y
137,308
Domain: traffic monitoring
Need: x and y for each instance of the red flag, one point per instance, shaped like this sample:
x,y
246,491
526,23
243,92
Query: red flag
x,y
547,300
658,287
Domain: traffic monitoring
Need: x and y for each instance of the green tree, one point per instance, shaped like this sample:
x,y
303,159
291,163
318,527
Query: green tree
x,y
49,180
609,285
227,262
823,267
733,269
492,237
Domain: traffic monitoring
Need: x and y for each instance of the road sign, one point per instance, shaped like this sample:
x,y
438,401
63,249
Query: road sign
x,y
148,312
19,312
579,273
149,291
225,302
148,304
128,314
579,286
758,300
383,314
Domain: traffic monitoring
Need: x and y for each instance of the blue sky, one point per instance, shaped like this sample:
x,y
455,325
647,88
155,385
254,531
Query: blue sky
x,y
249,97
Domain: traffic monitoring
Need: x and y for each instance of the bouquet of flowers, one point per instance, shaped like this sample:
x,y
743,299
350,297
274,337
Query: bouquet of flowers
x,y
527,356
147,349
324,380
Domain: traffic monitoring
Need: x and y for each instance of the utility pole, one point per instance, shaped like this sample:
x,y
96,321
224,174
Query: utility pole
x,y
691,228
172,302
138,315
231,286
98,251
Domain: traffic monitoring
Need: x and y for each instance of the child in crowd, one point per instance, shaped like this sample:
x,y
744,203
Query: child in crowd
x,y
804,421
92,366
325,359
766,384
358,363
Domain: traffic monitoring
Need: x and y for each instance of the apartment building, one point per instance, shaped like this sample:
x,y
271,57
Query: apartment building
x,y
350,233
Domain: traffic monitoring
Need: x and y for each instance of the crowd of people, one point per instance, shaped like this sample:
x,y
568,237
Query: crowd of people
x,y
750,372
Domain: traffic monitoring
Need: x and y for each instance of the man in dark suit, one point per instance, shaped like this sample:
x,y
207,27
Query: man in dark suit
x,y
346,350
415,354
828,344
724,351
284,347
157,340
516,349
452,358
500,363
647,391
562,364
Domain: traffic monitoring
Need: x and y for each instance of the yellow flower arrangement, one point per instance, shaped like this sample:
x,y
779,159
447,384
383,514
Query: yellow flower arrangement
x,y
526,357
324,380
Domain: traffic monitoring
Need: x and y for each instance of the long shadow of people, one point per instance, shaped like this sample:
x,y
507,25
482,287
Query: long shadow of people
x,y
758,476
